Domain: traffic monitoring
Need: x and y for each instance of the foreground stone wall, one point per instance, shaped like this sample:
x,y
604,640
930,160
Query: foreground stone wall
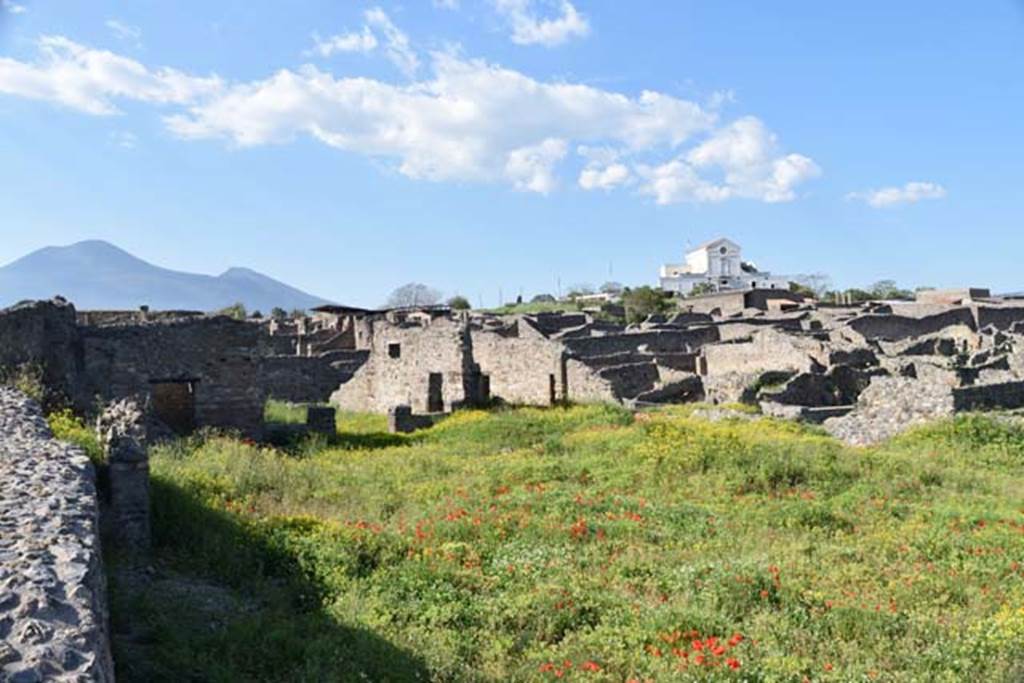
x,y
53,610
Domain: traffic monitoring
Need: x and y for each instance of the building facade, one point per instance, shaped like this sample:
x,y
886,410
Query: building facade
x,y
717,263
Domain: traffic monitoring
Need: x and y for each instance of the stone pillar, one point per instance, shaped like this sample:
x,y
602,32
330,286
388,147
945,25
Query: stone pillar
x,y
320,420
122,432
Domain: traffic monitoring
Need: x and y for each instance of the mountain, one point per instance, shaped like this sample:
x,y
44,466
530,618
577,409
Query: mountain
x,y
97,275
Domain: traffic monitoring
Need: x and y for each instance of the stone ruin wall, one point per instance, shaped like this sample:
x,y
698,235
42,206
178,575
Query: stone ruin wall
x,y
42,334
53,608
222,356
234,366
402,359
523,366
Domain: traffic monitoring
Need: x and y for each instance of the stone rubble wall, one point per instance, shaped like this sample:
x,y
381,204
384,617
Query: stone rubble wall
x,y
520,368
42,333
53,608
890,405
402,358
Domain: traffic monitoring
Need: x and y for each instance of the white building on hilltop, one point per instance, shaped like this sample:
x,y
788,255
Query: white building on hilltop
x,y
717,263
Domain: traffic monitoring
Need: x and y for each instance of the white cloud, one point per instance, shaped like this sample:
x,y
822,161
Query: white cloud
x,y
446,4
126,32
745,154
532,168
530,29
396,42
393,40
12,7
910,193
88,80
346,42
604,177
469,121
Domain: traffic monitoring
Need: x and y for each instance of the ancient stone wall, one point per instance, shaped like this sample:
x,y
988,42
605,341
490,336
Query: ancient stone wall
x,y
523,369
890,405
428,367
661,341
309,379
1000,317
219,358
895,327
53,607
42,333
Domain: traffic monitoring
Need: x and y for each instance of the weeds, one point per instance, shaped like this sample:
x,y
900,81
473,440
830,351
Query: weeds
x,y
582,543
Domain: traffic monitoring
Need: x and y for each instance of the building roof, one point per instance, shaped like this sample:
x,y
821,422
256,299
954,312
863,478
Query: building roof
x,y
711,243
340,310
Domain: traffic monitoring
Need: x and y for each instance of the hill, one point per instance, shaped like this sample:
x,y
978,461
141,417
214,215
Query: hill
x,y
98,275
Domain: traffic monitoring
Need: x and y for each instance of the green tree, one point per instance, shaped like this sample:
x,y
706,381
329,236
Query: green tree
x,y
641,302
235,310
802,289
702,288
887,289
459,303
278,313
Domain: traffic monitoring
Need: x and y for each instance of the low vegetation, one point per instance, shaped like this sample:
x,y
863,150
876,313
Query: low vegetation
x,y
582,543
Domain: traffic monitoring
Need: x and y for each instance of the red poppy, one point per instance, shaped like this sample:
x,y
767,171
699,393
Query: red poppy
x,y
732,663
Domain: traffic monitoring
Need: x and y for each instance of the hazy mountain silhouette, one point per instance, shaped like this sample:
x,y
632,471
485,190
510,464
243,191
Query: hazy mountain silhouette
x,y
98,275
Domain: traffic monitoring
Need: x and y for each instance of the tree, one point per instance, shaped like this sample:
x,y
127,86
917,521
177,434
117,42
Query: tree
x,y
459,303
278,313
543,299
644,301
801,289
612,288
235,310
813,284
256,314
579,289
413,294
702,288
887,289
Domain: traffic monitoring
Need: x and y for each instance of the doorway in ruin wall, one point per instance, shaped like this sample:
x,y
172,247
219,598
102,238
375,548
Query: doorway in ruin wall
x,y
174,403
435,393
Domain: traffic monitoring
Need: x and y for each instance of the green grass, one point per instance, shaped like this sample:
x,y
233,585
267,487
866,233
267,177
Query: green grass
x,y
533,307
67,426
584,544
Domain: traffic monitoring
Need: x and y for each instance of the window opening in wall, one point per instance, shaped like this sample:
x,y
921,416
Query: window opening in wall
x,y
552,390
435,393
394,350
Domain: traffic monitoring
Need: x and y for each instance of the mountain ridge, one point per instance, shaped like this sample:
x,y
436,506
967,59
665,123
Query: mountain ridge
x,y
95,274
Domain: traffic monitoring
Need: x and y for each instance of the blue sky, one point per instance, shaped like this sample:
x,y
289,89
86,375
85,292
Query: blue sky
x,y
486,145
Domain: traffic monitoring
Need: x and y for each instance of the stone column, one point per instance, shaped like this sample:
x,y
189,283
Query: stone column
x,y
122,432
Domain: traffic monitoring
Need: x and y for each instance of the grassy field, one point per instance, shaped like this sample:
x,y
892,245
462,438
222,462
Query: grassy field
x,y
582,544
